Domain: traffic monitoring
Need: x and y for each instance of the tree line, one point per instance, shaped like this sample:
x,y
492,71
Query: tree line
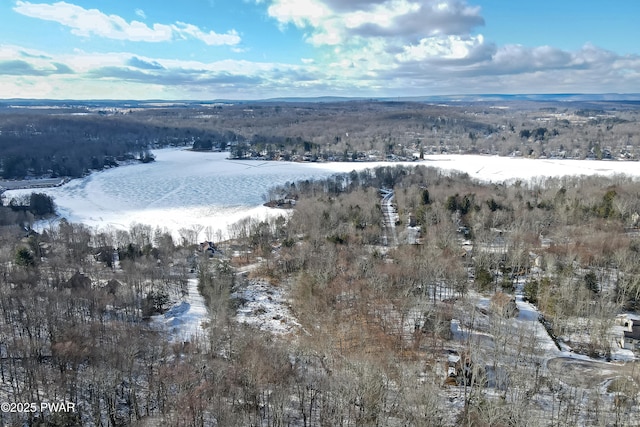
x,y
58,143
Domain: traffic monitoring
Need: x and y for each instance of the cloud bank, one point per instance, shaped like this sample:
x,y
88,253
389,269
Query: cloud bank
x,y
362,48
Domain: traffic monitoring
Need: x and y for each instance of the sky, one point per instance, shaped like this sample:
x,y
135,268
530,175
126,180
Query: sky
x,y
259,49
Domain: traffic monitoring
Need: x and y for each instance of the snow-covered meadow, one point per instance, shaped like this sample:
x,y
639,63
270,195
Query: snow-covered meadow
x,y
186,320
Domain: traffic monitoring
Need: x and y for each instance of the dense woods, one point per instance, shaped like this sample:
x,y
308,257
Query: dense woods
x,y
24,211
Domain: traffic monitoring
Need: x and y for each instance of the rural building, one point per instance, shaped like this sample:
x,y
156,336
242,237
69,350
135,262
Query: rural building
x,y
630,338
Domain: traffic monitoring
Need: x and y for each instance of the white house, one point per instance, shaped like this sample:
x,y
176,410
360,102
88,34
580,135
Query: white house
x,y
630,338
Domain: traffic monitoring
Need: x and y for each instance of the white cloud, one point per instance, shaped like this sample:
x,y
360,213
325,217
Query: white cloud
x,y
141,14
435,65
301,13
401,46
84,22
211,38
126,75
373,37
407,20
87,22
446,47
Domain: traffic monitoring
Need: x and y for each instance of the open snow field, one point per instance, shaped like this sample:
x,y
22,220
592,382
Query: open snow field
x,y
186,320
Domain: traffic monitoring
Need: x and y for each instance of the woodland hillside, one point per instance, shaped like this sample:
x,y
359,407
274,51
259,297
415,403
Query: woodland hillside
x,y
501,310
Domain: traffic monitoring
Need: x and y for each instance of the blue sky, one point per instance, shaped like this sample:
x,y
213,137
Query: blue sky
x,y
256,49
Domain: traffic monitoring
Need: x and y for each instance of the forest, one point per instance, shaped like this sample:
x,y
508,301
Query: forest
x,y
469,323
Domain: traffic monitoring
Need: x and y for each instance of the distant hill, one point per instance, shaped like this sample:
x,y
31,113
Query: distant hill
x,y
462,98
551,97
528,97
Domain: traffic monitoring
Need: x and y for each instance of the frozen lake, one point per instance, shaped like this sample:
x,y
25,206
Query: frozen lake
x,y
183,188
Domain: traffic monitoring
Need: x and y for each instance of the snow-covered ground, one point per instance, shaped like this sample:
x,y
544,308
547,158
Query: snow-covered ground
x,y
184,188
265,307
528,316
186,319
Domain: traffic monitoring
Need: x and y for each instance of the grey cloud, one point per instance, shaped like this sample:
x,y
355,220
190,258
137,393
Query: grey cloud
x,y
279,78
136,62
62,68
228,79
512,63
296,75
519,59
353,5
18,67
30,55
123,73
456,19
177,77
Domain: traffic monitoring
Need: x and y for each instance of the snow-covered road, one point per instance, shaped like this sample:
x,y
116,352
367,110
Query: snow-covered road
x,y
186,320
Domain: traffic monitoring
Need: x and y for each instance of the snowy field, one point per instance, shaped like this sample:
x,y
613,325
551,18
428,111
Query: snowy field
x,y
184,188
265,307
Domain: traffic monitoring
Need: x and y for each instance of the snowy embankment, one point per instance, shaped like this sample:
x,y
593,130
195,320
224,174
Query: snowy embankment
x,y
186,320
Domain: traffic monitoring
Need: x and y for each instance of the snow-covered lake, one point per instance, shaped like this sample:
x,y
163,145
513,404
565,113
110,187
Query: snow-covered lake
x,y
498,169
184,188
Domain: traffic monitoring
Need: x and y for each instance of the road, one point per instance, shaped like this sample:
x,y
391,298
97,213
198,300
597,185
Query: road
x,y
390,216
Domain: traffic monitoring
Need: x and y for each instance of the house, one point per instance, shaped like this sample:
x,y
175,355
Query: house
x,y
630,338
78,282
208,247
